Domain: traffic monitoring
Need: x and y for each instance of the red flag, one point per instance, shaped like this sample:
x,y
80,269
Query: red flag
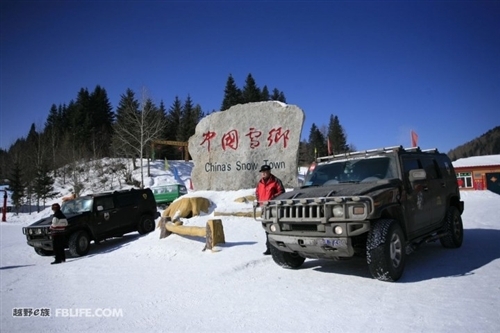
x,y
329,146
414,139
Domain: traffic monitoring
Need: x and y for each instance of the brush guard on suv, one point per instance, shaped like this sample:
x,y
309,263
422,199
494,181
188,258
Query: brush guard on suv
x,y
316,227
38,237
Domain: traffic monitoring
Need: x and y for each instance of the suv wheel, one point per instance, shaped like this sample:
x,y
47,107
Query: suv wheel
x,y
454,228
79,243
43,253
146,225
385,250
286,259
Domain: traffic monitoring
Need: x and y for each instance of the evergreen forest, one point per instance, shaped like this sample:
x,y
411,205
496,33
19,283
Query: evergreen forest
x,y
88,128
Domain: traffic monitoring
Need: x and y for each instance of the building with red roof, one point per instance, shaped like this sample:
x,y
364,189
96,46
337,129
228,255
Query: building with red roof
x,y
478,173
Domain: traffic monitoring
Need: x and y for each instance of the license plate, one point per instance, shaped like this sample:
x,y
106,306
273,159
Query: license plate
x,y
334,242
37,244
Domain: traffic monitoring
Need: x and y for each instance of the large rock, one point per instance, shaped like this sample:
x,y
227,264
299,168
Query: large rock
x,y
229,147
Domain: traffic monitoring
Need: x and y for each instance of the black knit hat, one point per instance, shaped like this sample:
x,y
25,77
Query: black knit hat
x,y
265,167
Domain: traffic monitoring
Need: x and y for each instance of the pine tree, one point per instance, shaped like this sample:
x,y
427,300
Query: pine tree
x,y
174,117
232,94
264,95
64,112
43,185
173,123
281,97
198,114
68,151
101,118
160,152
317,144
251,93
337,136
155,115
53,119
17,186
278,96
306,155
81,122
53,132
34,152
275,95
128,105
186,120
191,116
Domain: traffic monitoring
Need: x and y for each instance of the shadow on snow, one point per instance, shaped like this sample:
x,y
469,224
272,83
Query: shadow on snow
x,y
430,261
14,266
107,246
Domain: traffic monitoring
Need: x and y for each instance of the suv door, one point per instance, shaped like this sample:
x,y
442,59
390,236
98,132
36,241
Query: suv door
x,y
104,210
417,199
436,191
127,206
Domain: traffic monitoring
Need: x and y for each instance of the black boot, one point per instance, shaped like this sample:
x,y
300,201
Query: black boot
x,y
267,251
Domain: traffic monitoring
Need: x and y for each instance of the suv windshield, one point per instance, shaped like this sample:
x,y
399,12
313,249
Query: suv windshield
x,y
352,171
78,205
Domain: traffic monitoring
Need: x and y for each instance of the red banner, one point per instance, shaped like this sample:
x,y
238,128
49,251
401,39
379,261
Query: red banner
x,y
414,139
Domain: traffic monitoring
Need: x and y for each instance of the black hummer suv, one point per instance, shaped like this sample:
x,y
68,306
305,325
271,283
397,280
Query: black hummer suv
x,y
97,217
381,203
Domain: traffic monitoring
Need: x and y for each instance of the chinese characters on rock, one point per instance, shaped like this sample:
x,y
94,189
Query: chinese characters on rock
x,y
231,139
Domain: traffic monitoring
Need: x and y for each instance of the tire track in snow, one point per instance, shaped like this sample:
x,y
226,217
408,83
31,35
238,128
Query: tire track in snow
x,y
249,264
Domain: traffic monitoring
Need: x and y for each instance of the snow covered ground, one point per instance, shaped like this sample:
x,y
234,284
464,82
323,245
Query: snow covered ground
x,y
143,283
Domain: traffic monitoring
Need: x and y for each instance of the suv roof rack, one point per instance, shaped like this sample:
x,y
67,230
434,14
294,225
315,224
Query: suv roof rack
x,y
431,150
369,152
359,153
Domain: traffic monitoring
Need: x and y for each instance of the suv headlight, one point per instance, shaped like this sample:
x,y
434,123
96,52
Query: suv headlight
x,y
338,211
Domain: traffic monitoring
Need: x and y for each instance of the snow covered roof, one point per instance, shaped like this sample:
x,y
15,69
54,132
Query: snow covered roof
x,y
477,161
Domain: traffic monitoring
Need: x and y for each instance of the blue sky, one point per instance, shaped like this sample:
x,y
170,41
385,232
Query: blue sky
x,y
383,67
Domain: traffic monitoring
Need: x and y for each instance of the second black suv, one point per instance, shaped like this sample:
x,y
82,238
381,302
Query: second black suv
x,y
381,203
97,217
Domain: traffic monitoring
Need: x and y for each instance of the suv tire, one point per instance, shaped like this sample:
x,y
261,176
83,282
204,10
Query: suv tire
x,y
454,228
385,250
43,253
146,225
286,259
79,243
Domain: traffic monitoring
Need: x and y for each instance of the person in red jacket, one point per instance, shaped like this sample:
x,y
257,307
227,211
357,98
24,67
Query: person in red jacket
x,y
268,187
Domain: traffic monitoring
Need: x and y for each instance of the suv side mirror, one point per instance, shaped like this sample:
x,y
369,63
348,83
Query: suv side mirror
x,y
417,174
100,208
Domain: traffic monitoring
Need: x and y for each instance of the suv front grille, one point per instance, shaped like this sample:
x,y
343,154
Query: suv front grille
x,y
318,210
36,232
315,212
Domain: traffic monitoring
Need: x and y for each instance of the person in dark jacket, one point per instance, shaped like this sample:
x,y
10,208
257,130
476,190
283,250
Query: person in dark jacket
x,y
59,223
268,187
